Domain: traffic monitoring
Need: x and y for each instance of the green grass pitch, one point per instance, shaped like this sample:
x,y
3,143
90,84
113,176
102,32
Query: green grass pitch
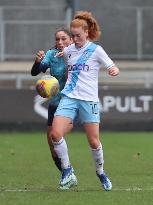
x,y
28,175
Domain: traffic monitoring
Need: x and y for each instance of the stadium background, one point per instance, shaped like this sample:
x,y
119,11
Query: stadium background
x,y
27,172
27,26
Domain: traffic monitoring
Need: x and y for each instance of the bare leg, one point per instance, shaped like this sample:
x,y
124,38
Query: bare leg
x,y
92,132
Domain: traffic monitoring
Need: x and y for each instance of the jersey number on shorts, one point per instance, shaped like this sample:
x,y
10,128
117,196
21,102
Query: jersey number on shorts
x,y
94,108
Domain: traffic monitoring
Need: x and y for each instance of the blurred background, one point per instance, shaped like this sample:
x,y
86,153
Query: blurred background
x,y
27,26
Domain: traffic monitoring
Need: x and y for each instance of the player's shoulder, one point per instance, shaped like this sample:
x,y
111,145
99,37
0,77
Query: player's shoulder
x,y
96,45
51,52
99,48
92,46
69,48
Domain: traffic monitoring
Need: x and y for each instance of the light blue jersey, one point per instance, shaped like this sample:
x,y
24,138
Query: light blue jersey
x,y
57,69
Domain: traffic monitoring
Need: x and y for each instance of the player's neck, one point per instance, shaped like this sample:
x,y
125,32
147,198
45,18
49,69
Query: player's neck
x,y
83,45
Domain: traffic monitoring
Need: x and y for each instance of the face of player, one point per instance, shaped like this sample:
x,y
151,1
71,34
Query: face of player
x,y
79,36
62,40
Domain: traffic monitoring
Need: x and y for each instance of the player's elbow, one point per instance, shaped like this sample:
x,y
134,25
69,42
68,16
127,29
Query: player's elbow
x,y
35,70
32,73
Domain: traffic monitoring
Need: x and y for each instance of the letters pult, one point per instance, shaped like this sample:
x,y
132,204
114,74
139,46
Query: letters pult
x,y
121,109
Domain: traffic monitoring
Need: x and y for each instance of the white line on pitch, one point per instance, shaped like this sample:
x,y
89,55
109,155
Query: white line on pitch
x,y
133,189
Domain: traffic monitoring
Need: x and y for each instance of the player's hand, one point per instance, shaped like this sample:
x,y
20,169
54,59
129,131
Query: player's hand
x,y
59,54
39,56
113,71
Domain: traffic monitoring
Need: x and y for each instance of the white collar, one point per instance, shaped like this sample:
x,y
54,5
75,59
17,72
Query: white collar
x,y
86,43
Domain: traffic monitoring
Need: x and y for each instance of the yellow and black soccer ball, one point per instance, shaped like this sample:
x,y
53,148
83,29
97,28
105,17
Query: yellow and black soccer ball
x,y
47,86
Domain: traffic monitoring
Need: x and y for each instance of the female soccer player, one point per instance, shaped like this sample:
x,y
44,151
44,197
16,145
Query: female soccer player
x,y
83,59
58,70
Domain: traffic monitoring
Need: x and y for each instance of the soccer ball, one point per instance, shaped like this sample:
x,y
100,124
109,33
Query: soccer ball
x,y
47,86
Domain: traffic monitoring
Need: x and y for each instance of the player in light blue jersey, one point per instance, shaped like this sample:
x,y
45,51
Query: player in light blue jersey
x,y
57,69
83,59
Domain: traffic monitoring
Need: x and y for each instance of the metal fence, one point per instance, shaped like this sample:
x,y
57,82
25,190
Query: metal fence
x,y
142,27
21,38
127,34
127,79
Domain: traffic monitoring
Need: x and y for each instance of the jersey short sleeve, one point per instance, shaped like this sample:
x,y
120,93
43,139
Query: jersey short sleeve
x,y
103,58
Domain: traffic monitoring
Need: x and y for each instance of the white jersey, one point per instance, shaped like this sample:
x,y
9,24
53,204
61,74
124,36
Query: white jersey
x,y
83,65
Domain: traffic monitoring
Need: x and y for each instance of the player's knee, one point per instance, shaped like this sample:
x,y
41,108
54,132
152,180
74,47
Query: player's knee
x,y
54,135
94,143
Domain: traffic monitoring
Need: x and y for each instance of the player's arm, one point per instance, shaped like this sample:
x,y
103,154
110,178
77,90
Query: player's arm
x,y
59,54
40,64
113,71
105,60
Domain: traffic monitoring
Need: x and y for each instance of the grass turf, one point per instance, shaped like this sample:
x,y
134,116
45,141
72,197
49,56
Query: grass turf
x,y
28,175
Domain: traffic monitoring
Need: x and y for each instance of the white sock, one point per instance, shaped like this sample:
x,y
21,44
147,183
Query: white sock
x,y
98,158
62,153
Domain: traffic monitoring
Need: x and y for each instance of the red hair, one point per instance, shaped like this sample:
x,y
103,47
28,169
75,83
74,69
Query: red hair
x,y
85,20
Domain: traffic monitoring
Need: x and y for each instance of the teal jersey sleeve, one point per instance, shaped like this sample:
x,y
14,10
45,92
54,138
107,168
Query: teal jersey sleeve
x,y
45,63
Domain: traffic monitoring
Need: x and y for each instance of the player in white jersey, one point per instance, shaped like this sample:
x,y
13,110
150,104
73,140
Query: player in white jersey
x,y
83,60
83,66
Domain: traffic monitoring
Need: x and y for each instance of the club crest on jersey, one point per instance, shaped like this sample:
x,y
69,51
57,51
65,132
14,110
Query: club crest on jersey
x,y
86,54
72,54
